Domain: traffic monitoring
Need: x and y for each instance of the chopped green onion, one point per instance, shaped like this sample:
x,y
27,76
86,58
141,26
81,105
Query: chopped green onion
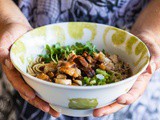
x,y
86,80
104,73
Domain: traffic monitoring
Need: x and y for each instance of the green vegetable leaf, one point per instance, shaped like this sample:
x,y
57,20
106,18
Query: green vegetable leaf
x,y
56,52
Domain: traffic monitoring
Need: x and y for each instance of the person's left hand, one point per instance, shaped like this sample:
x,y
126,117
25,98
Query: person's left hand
x,y
142,81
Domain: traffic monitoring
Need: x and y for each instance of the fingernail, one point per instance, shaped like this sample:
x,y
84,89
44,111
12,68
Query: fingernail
x,y
153,67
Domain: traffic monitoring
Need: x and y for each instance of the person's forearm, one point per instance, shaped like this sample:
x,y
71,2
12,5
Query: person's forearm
x,y
10,13
149,21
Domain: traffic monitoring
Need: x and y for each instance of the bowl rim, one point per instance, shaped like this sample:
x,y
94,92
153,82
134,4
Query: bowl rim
x,y
80,87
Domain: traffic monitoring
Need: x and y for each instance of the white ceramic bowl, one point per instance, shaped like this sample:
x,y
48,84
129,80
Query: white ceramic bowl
x,y
84,98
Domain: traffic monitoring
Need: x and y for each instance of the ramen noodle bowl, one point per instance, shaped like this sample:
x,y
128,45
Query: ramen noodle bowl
x,y
75,100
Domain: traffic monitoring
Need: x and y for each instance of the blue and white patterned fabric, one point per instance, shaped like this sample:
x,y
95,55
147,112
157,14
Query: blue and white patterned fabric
x,y
119,13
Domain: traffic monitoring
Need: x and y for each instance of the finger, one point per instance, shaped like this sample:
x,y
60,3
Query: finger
x,y
107,110
4,53
37,102
53,113
16,80
136,91
8,64
152,66
24,97
8,36
150,40
11,33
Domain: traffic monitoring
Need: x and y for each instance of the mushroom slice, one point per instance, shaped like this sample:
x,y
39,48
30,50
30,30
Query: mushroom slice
x,y
63,81
79,82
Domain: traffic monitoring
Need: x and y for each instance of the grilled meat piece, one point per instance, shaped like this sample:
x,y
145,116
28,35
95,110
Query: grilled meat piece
x,y
43,76
89,71
88,58
81,62
71,57
49,67
50,74
79,82
61,76
67,64
103,58
74,72
84,66
70,69
105,63
63,81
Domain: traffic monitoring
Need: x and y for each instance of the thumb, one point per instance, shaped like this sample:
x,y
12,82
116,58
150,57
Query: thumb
x,y
8,36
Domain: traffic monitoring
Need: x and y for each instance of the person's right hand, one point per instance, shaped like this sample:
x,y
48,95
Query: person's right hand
x,y
8,34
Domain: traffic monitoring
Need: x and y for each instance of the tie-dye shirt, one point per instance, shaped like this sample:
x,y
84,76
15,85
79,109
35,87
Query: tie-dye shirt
x,y
119,13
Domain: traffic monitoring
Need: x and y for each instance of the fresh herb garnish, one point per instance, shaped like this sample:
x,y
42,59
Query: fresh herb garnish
x,y
56,52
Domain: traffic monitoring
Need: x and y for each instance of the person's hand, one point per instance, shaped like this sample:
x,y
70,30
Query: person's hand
x,y
8,34
142,81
